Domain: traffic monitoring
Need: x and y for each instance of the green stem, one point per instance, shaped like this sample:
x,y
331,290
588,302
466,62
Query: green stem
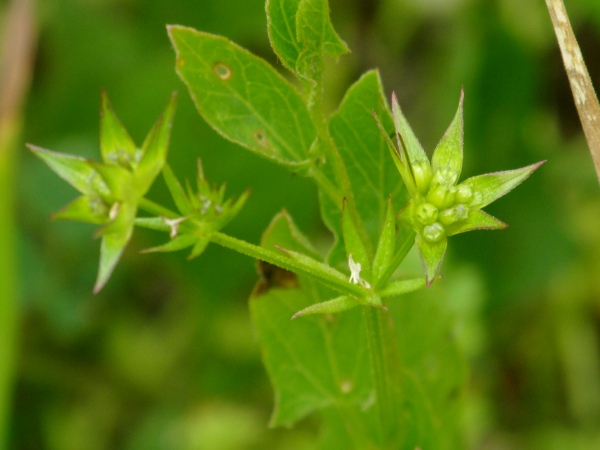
x,y
155,208
325,275
385,367
332,157
401,253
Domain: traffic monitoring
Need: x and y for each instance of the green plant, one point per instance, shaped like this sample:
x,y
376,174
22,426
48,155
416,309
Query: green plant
x,y
368,369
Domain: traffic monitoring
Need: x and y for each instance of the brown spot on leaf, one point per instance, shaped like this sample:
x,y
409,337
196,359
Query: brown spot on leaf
x,y
261,138
222,70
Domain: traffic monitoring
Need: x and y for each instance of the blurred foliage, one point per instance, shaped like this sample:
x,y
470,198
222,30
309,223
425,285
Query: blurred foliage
x,y
165,357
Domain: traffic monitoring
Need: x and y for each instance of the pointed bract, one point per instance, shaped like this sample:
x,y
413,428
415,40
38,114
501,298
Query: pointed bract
x,y
448,154
491,186
332,306
432,255
116,146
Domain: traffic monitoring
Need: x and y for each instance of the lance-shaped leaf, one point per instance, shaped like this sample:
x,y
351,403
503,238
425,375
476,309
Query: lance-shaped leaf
x,y
116,146
489,187
335,305
406,138
448,154
183,203
243,98
84,209
432,255
75,170
401,287
154,148
387,244
115,237
358,258
477,220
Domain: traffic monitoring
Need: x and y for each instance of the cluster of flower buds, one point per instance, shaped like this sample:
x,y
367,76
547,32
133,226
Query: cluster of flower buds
x,y
438,206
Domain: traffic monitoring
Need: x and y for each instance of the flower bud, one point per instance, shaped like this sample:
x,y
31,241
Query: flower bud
x,y
434,232
464,193
445,175
426,214
422,172
454,214
442,196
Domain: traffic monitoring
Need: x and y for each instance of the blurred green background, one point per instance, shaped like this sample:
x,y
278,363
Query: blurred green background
x,y
165,356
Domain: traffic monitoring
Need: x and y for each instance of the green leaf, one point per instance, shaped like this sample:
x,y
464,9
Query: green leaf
x,y
84,209
243,98
434,369
387,244
282,229
355,247
77,171
281,26
201,244
335,305
316,35
300,32
491,186
432,255
116,146
449,152
363,148
175,244
405,136
477,220
154,149
115,237
401,287
180,198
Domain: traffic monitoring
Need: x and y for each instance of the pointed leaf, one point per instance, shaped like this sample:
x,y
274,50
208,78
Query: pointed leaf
x,y
283,230
84,209
409,141
76,171
316,36
477,220
387,244
401,287
354,244
200,246
118,179
332,306
432,255
114,239
449,152
155,148
175,244
491,186
244,98
365,153
116,146
281,26
179,196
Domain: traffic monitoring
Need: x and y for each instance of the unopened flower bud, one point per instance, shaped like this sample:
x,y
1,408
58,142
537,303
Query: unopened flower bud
x,y
464,193
434,232
442,196
426,214
454,214
422,172
445,176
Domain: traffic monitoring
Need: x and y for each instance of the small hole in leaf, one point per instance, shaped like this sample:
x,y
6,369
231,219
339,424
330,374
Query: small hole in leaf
x,y
223,71
261,138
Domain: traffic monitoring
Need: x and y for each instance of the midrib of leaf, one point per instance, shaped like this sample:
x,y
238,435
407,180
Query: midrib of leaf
x,y
249,106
